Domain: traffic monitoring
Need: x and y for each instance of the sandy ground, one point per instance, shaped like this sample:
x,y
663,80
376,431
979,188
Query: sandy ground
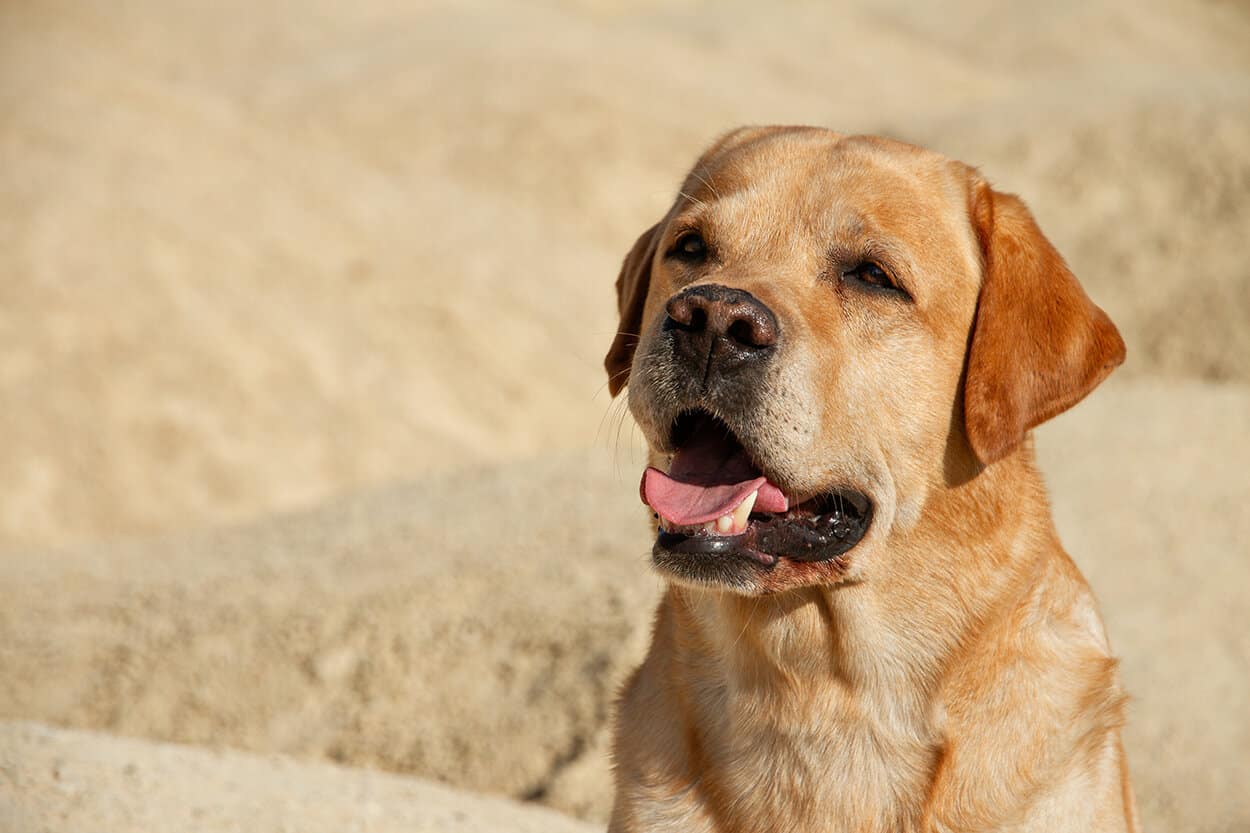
x,y
58,780
304,446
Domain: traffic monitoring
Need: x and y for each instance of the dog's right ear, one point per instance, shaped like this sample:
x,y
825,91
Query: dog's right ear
x,y
631,294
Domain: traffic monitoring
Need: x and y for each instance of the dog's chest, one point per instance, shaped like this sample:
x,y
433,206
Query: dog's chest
x,y
823,768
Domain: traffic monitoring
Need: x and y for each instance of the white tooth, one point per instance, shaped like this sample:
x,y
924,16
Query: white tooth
x,y
725,524
743,513
710,527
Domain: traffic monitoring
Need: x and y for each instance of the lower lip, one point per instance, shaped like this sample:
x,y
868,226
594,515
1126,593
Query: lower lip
x,y
715,545
809,539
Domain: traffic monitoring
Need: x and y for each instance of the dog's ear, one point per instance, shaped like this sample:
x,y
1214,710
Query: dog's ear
x,y
631,294
1039,344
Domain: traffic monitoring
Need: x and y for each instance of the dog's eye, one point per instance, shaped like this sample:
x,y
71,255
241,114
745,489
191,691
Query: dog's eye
x,y
873,275
690,246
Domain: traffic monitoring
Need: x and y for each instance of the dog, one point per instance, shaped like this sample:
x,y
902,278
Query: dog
x,y
836,347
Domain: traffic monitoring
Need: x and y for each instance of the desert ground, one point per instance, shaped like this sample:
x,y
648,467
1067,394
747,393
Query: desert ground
x,y
316,512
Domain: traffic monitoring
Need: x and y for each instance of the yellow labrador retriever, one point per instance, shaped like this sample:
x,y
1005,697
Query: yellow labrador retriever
x,y
836,347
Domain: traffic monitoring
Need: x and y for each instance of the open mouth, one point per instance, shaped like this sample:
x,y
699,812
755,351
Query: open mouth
x,y
715,501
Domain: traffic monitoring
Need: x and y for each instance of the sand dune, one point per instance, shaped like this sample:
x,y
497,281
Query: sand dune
x,y
304,446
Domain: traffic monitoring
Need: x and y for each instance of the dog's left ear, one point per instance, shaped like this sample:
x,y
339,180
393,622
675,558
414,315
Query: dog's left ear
x,y
631,294
1039,344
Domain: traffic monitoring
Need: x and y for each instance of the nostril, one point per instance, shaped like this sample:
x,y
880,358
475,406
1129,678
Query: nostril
x,y
687,312
743,332
753,327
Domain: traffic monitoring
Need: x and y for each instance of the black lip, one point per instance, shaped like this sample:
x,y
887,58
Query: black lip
x,y
822,530
724,547
710,560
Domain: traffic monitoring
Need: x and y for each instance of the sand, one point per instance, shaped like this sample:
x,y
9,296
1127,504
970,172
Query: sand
x,y
371,632
304,444
59,780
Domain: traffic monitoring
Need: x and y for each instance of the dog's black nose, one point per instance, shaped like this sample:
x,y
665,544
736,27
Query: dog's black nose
x,y
721,327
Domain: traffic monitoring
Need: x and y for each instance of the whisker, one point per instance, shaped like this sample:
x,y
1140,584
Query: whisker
x,y
747,623
616,448
611,378
607,412
693,199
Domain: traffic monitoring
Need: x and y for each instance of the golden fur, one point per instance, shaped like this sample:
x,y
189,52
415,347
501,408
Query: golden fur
x,y
952,672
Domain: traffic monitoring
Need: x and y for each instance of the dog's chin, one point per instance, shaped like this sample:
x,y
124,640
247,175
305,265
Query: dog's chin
x,y
807,544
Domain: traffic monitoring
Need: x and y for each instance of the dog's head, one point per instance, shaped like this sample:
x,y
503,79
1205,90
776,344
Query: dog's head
x,y
823,330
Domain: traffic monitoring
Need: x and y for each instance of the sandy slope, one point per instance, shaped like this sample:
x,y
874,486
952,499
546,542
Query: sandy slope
x,y
84,782
399,630
256,255
472,628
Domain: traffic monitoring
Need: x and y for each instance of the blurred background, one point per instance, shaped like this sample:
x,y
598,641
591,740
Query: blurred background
x,y
305,446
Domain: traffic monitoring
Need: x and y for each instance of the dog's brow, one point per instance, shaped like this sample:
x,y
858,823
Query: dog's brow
x,y
706,181
692,218
700,203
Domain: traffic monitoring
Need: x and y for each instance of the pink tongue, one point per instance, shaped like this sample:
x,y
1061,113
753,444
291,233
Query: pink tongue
x,y
710,477
683,504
